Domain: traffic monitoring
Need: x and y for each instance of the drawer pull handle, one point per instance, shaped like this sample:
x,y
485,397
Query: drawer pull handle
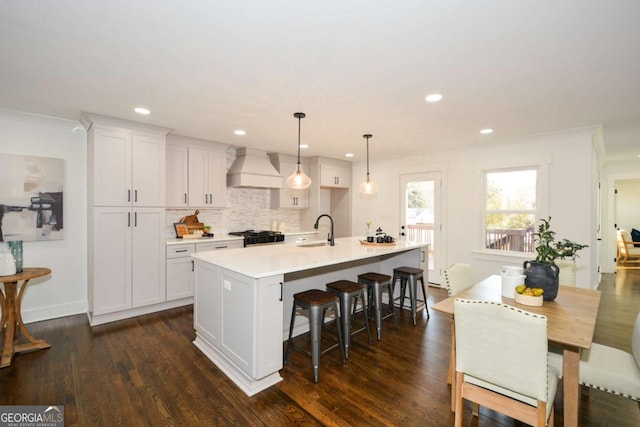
x,y
182,250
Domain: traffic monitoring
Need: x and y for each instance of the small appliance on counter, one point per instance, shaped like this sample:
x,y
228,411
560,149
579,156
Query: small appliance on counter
x,y
259,237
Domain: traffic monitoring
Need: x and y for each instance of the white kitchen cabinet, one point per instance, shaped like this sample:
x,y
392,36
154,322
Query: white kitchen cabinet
x,y
180,266
127,260
177,176
126,168
180,271
240,318
334,176
287,197
207,179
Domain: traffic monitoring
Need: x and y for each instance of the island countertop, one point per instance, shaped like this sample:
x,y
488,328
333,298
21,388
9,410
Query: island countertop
x,y
268,260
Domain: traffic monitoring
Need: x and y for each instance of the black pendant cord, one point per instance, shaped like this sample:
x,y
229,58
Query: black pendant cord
x,y
299,116
367,136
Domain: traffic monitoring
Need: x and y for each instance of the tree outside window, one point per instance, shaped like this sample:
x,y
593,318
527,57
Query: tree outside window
x,y
510,209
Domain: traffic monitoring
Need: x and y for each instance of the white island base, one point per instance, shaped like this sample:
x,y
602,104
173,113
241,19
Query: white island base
x,y
243,298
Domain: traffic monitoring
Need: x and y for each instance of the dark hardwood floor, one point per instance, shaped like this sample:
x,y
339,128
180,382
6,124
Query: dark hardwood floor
x,y
145,371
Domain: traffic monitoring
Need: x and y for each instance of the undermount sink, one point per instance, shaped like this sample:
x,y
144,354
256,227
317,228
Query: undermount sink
x,y
314,244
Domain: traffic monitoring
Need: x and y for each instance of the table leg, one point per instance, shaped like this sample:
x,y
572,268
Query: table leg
x,y
9,327
452,366
571,384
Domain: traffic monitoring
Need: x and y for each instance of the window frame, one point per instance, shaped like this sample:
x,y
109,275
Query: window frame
x,y
541,203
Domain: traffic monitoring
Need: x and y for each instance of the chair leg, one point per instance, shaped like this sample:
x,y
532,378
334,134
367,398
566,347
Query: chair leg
x,y
458,414
377,296
293,318
413,290
424,295
315,335
340,335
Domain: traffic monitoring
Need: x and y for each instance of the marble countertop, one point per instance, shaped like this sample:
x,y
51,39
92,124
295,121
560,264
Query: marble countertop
x,y
268,260
224,237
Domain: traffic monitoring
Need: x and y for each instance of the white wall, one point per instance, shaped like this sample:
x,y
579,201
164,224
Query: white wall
x,y
568,156
65,291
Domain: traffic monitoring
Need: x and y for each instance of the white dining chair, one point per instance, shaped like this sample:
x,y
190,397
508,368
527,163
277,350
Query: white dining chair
x,y
611,369
502,361
458,278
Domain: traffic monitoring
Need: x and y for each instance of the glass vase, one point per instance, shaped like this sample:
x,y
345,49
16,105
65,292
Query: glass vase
x,y
16,249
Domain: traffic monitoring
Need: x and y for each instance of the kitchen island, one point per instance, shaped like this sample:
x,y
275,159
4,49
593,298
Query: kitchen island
x,y
243,298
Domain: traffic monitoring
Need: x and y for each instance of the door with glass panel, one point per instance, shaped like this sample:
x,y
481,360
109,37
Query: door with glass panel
x,y
421,219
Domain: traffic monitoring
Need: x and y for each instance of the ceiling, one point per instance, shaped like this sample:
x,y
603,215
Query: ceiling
x,y
208,68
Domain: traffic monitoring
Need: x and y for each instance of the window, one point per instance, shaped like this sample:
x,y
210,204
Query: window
x,y
510,209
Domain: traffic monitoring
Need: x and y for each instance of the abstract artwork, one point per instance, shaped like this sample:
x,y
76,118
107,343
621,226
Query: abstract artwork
x,y
31,198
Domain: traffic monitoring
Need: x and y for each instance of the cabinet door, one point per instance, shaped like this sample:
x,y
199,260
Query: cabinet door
x,y
110,167
287,197
148,256
177,176
198,178
335,177
110,263
179,278
148,170
217,180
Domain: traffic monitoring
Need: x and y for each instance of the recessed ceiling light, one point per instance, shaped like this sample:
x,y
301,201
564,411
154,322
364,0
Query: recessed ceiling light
x,y
141,110
434,97
349,155
304,146
240,132
486,131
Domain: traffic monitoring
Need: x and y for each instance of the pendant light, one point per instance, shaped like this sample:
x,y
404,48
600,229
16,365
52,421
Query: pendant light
x,y
368,187
298,180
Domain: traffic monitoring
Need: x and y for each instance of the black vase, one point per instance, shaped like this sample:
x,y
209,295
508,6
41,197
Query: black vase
x,y
542,275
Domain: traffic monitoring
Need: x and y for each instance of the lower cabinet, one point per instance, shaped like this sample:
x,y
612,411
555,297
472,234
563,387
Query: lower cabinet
x,y
126,260
180,266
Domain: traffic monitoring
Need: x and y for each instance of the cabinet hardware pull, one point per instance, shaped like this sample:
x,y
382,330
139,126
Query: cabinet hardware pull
x,y
185,198
221,247
135,197
422,256
182,250
211,198
193,268
135,219
128,195
128,219
281,290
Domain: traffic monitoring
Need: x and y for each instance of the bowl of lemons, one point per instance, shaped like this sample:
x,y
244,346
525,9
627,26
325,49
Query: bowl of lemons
x,y
529,296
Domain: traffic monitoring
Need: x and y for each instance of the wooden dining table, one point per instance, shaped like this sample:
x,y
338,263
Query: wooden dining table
x,y
571,321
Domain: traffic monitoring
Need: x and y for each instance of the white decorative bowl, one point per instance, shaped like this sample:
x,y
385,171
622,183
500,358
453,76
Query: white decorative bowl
x,y
529,300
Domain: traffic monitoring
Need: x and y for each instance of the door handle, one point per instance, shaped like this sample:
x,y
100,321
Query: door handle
x,y
128,219
135,195
135,219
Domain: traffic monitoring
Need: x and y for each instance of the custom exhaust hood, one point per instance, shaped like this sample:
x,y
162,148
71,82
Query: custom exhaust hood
x,y
252,168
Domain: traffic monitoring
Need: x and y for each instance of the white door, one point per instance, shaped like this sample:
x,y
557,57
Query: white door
x,y
148,170
420,217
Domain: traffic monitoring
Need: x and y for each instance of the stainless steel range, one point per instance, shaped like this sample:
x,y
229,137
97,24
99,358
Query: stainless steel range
x,y
259,237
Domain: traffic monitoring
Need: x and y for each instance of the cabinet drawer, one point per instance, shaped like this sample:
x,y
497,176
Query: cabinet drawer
x,y
179,251
221,244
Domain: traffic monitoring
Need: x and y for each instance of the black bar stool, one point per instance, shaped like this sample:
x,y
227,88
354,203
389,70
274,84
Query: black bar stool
x,y
410,276
349,292
317,302
376,284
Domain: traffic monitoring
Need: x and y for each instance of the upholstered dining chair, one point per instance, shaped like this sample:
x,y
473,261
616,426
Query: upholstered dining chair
x,y
458,277
502,361
610,369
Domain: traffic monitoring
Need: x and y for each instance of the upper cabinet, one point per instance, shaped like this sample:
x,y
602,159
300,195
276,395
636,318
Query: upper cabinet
x,y
126,164
287,197
335,176
196,173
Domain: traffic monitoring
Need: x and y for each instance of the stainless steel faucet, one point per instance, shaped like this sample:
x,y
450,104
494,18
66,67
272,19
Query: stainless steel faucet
x,y
330,238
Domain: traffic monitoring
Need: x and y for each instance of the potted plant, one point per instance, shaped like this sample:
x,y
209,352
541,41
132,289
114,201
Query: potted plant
x,y
543,271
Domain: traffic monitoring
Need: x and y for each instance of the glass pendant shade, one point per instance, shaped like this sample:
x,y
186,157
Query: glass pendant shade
x,y
298,180
368,187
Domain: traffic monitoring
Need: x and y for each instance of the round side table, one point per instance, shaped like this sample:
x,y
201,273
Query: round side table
x,y
12,317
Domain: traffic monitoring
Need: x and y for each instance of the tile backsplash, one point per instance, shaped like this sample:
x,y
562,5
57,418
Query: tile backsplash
x,y
247,208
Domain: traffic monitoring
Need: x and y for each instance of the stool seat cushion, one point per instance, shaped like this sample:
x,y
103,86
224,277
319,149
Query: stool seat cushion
x,y
375,277
408,270
345,286
314,297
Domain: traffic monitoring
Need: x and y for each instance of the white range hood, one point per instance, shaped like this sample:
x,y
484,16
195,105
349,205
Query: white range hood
x,y
252,168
